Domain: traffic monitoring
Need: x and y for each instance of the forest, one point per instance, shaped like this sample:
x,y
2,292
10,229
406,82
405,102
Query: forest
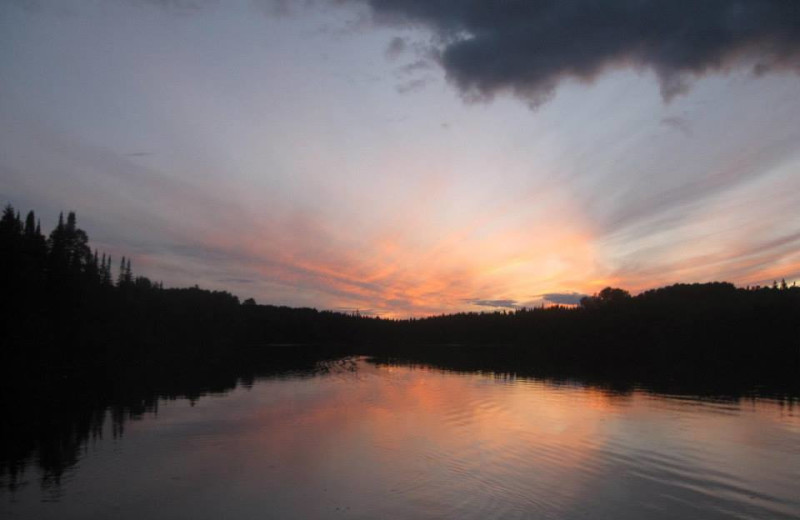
x,y
83,337
67,311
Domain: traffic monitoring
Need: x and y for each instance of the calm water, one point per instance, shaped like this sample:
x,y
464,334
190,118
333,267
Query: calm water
x,y
366,441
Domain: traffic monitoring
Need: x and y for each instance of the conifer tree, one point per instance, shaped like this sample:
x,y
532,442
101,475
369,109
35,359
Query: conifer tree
x,y
55,246
93,269
10,223
121,275
30,225
105,275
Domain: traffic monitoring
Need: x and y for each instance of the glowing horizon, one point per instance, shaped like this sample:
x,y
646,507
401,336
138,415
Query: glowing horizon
x,y
321,158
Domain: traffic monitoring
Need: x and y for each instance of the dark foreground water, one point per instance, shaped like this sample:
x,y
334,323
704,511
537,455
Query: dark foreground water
x,y
395,442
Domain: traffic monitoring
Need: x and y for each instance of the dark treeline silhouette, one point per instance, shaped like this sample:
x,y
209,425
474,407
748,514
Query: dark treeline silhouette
x,y
64,311
83,337
691,333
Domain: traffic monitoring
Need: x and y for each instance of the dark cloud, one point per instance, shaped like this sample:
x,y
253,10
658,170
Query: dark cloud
x,y
529,46
563,298
396,48
509,304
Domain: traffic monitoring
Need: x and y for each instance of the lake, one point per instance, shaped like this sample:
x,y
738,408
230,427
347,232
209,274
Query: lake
x,y
375,441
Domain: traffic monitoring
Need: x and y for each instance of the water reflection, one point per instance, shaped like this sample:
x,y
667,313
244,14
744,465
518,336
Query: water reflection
x,y
365,440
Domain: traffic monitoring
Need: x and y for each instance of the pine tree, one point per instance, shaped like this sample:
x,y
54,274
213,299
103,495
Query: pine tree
x,y
121,276
72,221
125,276
56,246
10,223
30,225
93,269
105,278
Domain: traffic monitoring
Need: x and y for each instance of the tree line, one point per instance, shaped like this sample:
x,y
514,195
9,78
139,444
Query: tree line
x,y
64,310
82,336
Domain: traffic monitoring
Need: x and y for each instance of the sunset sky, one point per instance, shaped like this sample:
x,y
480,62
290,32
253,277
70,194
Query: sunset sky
x,y
410,157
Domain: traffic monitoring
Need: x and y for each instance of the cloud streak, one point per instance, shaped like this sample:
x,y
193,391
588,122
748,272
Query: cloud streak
x,y
506,304
529,46
563,298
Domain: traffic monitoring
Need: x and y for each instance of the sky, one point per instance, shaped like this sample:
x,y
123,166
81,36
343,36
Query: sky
x,y
411,157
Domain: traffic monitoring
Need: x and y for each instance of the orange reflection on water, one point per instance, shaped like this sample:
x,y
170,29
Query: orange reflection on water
x,y
441,428
404,442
